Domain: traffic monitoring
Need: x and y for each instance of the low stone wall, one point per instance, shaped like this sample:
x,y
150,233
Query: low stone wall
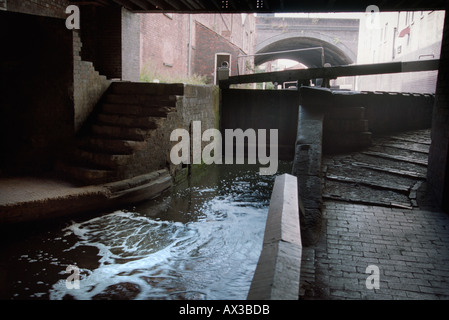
x,y
88,85
278,270
391,111
384,111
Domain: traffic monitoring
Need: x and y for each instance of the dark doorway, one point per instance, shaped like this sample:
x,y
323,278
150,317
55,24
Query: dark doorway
x,y
36,91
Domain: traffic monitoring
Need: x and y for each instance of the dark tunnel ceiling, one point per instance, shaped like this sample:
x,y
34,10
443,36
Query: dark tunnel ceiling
x,y
310,58
267,6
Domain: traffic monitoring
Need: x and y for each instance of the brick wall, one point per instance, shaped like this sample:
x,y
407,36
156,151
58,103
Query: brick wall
x,y
199,103
165,41
130,43
438,169
208,43
88,85
102,39
238,29
110,39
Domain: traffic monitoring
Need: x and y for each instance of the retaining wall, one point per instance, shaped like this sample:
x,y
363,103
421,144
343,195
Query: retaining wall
x,y
351,117
263,109
198,103
384,111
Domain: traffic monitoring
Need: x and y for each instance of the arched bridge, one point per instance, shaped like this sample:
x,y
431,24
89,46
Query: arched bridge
x,y
280,38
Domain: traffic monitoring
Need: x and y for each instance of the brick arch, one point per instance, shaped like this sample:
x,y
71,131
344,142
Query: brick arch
x,y
335,51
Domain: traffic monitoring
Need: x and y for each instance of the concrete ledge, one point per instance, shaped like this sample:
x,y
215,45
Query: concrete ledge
x,y
30,199
278,270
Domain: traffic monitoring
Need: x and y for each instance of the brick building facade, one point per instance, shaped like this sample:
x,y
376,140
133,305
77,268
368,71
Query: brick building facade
x,y
400,36
209,47
179,46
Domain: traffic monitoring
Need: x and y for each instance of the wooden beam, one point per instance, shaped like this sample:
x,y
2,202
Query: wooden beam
x,y
160,4
193,4
187,5
177,5
200,4
216,5
142,4
334,72
126,4
249,4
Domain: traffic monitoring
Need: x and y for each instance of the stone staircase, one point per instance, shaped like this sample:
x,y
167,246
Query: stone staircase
x,y
119,128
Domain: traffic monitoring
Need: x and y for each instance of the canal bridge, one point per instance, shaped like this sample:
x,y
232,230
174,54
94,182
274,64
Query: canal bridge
x,y
310,41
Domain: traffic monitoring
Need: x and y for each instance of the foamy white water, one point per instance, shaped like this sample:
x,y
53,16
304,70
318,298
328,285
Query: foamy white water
x,y
213,256
200,240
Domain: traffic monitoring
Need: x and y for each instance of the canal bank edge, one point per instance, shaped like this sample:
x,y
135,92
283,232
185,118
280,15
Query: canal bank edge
x,y
86,199
277,273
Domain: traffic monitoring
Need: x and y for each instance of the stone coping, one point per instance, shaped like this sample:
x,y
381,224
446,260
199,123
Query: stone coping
x,y
278,270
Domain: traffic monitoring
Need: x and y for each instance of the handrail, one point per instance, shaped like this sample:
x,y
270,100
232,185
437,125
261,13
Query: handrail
x,y
333,72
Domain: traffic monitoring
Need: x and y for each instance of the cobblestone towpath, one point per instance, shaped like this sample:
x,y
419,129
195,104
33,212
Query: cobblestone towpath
x,y
381,237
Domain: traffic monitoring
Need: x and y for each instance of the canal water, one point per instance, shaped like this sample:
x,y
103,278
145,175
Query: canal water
x,y
200,240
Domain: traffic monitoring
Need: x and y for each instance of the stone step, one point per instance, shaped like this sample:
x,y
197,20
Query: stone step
x,y
149,101
104,160
422,162
114,132
135,110
399,172
147,88
83,175
111,146
373,183
127,121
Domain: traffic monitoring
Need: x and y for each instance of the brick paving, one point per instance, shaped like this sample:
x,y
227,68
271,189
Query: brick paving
x,y
362,227
410,248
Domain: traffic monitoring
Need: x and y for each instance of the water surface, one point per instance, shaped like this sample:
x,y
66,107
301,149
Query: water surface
x,y
200,240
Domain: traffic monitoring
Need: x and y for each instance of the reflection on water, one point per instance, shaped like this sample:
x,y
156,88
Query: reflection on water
x,y
201,240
